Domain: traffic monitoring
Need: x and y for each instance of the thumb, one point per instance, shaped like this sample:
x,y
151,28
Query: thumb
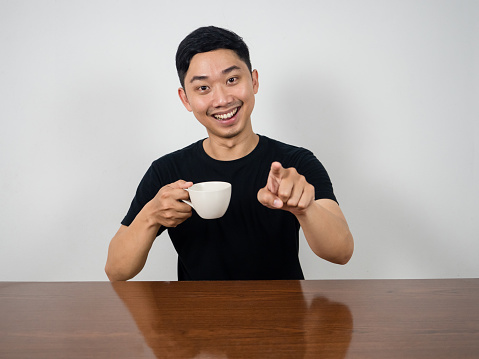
x,y
268,199
183,184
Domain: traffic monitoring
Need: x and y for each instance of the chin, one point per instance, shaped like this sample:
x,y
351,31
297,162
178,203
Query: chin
x,y
230,135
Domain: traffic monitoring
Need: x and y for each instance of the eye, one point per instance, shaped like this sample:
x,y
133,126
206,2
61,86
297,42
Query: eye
x,y
203,88
232,80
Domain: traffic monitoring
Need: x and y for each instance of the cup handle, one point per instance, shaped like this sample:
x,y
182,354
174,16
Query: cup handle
x,y
188,202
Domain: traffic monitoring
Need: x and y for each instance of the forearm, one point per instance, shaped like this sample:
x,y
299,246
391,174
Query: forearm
x,y
327,231
129,248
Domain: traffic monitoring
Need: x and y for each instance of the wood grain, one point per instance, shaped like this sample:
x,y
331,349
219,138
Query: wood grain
x,y
241,319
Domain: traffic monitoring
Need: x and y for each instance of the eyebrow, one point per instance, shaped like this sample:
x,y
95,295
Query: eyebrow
x,y
229,69
224,72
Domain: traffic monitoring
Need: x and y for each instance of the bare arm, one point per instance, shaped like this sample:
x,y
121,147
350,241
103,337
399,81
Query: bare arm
x,y
322,221
327,231
130,246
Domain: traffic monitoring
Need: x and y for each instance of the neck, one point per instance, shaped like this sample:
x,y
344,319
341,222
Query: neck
x,y
229,149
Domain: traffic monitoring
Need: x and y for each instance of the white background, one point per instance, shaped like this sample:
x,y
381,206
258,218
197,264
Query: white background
x,y
385,93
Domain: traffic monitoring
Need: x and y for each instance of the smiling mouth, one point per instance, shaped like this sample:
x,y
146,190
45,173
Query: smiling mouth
x,y
226,116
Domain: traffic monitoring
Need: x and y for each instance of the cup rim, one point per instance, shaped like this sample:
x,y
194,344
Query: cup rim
x,y
225,185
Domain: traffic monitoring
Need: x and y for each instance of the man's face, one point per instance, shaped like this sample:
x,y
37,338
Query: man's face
x,y
219,90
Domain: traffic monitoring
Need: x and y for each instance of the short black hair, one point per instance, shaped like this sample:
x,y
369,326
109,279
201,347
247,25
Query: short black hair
x,y
205,39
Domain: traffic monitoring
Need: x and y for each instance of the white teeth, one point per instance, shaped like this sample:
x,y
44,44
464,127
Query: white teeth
x,y
226,115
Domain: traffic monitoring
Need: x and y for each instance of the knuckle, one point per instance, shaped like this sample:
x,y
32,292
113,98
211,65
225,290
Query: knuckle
x,y
310,190
301,180
283,194
292,203
168,216
171,223
302,206
164,195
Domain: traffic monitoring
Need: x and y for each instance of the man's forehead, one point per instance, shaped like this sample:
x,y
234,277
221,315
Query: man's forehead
x,y
222,60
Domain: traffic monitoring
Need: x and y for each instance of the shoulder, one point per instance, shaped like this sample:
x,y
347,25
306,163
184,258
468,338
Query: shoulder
x,y
179,154
168,167
285,151
281,145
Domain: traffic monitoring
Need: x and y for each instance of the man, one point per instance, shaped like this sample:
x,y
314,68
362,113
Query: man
x,y
276,188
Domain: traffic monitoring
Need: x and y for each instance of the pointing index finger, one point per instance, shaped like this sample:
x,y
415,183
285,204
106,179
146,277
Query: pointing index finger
x,y
276,168
274,177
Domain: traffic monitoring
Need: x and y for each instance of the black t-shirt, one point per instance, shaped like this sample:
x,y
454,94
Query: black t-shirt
x,y
250,241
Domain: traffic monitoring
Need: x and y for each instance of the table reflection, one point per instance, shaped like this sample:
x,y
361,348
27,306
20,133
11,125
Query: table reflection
x,y
237,319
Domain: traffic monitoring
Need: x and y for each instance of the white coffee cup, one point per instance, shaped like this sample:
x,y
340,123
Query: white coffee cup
x,y
210,199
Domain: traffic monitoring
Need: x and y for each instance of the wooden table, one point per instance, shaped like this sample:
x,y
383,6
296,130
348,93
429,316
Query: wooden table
x,y
256,319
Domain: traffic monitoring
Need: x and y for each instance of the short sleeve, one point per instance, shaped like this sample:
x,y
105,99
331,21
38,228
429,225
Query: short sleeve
x,y
146,191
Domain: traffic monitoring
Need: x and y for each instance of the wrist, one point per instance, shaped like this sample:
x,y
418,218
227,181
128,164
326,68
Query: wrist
x,y
147,218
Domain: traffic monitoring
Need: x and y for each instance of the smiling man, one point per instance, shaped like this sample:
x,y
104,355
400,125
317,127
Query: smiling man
x,y
276,188
219,89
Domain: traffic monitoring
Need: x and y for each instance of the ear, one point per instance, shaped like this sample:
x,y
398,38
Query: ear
x,y
254,76
184,98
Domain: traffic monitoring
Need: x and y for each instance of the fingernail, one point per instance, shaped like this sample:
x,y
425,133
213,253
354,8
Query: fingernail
x,y
277,203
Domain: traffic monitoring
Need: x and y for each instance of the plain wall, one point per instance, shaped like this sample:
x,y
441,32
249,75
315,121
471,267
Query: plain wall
x,y
385,93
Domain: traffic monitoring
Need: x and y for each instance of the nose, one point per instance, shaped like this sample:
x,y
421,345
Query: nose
x,y
222,97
